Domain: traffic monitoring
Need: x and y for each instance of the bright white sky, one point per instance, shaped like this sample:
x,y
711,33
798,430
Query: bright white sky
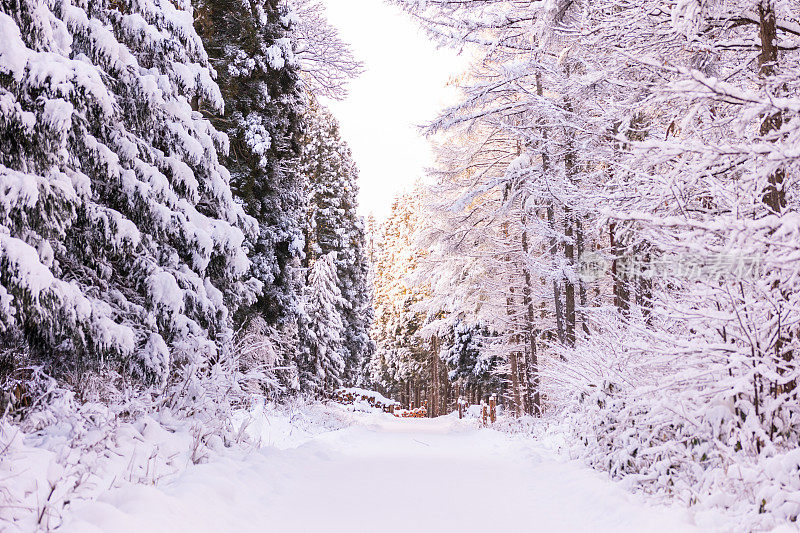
x,y
404,86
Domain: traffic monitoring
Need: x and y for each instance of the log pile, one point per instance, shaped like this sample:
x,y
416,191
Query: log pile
x,y
351,396
420,412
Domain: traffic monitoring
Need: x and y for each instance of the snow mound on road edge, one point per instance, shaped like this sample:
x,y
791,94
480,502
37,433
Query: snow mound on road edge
x,y
84,453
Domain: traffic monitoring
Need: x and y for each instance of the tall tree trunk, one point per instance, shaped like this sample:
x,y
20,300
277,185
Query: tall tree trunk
x,y
569,286
530,375
447,392
513,358
433,383
551,220
581,284
516,397
775,194
531,367
644,284
557,302
513,355
618,274
569,233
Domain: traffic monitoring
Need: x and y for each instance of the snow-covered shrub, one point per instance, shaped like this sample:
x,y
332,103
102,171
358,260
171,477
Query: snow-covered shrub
x,y
676,423
76,441
264,359
72,451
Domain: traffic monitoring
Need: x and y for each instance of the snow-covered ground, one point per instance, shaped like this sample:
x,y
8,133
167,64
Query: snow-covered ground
x,y
382,474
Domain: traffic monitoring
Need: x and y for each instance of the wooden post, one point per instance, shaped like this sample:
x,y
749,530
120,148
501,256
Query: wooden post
x,y
484,413
460,408
493,408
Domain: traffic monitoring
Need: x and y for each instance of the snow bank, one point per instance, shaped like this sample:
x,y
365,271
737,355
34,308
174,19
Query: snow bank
x,y
67,460
717,499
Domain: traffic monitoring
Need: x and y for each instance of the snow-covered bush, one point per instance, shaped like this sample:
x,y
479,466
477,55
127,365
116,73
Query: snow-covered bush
x,y
675,424
265,358
75,452
74,443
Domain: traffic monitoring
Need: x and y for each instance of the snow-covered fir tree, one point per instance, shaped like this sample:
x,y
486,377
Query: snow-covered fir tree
x,y
334,226
322,363
120,240
472,365
249,45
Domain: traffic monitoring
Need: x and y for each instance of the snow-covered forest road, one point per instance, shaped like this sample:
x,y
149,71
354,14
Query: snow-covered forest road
x,y
385,475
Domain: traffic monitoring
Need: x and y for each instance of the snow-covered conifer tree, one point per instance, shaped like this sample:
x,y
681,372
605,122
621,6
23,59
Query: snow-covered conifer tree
x,y
323,362
250,47
334,226
120,240
472,365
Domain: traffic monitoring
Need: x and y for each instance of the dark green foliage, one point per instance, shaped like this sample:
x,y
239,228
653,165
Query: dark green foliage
x,y
334,226
248,43
120,242
468,360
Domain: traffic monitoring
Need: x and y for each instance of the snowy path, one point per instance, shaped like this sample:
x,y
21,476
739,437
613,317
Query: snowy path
x,y
385,475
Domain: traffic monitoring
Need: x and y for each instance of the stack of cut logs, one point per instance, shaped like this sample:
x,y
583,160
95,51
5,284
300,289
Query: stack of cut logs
x,y
420,412
349,397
